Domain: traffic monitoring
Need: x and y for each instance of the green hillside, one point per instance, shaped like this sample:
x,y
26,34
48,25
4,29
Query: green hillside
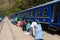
x,y
8,7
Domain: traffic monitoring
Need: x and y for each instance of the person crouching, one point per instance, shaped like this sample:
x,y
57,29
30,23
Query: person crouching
x,y
38,31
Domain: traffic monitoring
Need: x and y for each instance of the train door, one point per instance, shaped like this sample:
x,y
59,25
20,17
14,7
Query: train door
x,y
55,13
59,15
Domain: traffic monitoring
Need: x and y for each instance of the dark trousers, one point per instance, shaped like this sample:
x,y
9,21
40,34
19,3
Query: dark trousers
x,y
24,27
38,39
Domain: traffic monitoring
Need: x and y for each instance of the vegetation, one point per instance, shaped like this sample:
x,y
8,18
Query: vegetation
x,y
8,7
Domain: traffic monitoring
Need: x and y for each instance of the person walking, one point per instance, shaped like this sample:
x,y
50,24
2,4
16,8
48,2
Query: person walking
x,y
38,31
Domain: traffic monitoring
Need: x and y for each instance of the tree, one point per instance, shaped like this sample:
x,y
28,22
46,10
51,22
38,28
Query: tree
x,y
31,3
12,6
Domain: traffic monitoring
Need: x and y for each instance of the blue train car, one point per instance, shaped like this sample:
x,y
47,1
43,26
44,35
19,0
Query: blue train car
x,y
48,14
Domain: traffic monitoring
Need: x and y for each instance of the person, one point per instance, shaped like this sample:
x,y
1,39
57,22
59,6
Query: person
x,y
16,19
18,23
38,31
28,27
24,24
32,28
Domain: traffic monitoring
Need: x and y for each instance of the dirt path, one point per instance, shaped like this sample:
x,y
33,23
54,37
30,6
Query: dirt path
x,y
11,32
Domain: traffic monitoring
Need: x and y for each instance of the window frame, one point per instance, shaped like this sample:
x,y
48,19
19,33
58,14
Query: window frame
x,y
45,12
28,14
32,13
38,14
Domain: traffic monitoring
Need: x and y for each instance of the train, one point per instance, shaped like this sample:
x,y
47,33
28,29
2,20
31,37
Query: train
x,y
48,14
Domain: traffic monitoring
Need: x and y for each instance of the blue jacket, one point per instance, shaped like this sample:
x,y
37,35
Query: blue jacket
x,y
28,26
38,32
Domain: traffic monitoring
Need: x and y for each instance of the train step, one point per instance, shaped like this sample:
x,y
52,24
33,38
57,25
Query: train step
x,y
52,28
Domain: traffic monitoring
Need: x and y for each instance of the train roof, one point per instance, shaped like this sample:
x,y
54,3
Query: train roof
x,y
51,2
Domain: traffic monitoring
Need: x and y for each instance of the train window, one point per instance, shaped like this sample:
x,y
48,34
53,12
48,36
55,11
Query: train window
x,y
24,15
28,14
37,12
45,12
32,13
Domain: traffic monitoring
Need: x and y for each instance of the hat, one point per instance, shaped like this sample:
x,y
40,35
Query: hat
x,y
37,20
